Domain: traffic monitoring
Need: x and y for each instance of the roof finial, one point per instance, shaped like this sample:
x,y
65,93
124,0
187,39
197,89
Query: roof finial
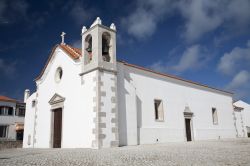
x,y
112,26
62,35
96,22
84,29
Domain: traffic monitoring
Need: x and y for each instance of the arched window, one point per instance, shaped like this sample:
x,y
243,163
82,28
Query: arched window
x,y
106,47
88,47
58,74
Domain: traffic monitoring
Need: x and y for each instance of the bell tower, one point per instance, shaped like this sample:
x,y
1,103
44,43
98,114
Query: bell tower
x,y
99,71
99,46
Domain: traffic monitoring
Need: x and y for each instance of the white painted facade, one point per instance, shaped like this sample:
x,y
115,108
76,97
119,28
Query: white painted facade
x,y
139,88
107,103
242,119
10,123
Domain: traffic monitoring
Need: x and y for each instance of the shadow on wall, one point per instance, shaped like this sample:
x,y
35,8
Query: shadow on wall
x,y
139,118
122,113
135,108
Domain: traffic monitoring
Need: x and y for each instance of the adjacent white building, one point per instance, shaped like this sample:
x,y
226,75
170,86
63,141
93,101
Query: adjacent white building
x,y
11,119
85,98
242,118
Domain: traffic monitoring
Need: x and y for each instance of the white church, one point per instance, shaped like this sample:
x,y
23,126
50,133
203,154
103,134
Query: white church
x,y
85,98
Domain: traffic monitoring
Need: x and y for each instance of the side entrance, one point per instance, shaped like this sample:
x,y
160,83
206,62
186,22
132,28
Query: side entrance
x,y
188,117
188,129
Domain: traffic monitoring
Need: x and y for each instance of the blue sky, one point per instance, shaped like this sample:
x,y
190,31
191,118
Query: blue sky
x,y
199,40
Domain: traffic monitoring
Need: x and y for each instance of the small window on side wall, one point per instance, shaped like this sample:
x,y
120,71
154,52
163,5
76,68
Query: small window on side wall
x,y
159,113
33,103
215,116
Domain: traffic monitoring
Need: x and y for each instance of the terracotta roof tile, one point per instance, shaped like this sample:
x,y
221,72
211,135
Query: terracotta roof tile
x,y
5,98
74,53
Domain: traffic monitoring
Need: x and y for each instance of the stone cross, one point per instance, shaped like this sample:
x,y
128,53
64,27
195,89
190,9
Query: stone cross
x,y
62,35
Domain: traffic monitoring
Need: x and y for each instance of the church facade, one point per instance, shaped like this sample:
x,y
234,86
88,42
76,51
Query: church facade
x,y
85,98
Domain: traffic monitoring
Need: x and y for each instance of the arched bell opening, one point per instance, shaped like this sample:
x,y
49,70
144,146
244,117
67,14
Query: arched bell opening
x,y
106,47
88,48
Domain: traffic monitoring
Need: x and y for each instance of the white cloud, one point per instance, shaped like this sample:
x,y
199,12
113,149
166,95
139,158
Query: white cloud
x,y
236,64
13,11
160,66
204,16
142,22
236,59
198,20
77,44
248,43
7,69
192,58
240,79
200,17
240,84
80,13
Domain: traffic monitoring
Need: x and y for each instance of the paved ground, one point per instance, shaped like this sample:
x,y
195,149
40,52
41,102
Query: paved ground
x,y
224,152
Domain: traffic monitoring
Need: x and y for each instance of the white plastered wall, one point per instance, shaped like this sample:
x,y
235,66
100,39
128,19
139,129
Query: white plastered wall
x,y
137,90
29,122
77,115
245,113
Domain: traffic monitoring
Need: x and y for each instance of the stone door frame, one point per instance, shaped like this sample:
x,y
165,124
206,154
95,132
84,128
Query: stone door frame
x,y
56,102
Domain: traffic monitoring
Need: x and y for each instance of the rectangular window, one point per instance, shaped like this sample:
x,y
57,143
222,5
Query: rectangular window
x,y
6,110
159,113
10,110
3,131
215,116
1,110
33,103
21,112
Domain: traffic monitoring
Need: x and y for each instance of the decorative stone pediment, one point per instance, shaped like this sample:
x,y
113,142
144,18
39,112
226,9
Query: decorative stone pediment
x,y
56,99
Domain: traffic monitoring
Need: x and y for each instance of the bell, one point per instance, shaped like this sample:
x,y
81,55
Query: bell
x,y
105,50
89,49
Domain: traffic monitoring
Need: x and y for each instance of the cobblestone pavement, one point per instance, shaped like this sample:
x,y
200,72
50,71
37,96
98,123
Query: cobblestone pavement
x,y
224,152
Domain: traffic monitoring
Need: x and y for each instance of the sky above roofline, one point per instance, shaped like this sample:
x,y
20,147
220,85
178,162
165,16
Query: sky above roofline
x,y
199,40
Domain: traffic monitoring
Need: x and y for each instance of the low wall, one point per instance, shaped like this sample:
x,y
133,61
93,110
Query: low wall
x,y
4,144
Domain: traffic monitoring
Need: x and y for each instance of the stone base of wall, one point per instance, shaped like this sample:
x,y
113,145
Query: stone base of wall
x,y
6,144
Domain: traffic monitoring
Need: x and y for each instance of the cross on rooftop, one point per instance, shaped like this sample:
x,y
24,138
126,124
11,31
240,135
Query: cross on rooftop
x,y
62,35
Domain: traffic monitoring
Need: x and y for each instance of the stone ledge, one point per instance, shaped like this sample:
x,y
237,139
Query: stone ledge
x,y
8,144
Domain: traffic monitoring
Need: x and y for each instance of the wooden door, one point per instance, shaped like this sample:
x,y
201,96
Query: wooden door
x,y
57,136
188,129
